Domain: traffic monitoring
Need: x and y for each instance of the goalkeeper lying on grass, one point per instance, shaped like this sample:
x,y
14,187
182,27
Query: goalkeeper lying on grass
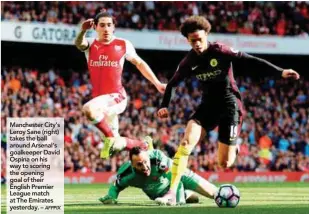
x,y
150,171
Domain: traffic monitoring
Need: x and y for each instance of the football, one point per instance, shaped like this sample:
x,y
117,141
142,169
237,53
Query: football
x,y
227,196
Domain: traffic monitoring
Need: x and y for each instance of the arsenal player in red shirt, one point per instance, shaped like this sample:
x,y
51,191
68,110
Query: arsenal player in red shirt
x,y
105,58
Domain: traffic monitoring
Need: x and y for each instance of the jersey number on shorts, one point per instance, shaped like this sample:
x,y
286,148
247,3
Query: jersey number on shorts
x,y
119,99
233,133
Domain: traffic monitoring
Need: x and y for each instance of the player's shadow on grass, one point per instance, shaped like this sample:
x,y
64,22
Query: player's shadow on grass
x,y
112,205
139,204
122,204
82,204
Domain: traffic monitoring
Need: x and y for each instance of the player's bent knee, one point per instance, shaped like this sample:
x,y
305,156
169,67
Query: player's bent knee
x,y
85,108
88,111
92,112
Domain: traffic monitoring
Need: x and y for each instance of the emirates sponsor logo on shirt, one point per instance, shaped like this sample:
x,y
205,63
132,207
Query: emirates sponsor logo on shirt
x,y
103,62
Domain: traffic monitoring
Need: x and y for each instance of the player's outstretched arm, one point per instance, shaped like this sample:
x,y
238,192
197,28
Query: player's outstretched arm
x,y
124,175
177,78
80,41
285,73
107,199
290,73
146,71
237,55
163,111
112,196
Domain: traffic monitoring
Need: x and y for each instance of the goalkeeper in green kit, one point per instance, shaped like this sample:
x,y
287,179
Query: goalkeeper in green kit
x,y
150,171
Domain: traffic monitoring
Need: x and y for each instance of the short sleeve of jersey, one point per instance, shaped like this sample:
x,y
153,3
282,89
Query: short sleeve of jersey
x,y
130,51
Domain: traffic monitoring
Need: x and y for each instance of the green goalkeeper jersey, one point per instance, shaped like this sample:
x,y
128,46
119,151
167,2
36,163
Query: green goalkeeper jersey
x,y
155,185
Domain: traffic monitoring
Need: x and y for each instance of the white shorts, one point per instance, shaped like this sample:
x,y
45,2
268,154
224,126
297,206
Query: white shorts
x,y
109,105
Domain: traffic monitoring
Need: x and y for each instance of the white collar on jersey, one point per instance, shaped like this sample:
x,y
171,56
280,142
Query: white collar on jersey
x,y
106,43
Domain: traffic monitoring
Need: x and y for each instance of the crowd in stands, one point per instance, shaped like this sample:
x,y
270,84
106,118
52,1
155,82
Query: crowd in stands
x,y
274,133
244,17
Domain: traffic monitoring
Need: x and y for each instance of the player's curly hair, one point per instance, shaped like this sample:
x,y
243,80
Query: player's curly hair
x,y
194,23
104,13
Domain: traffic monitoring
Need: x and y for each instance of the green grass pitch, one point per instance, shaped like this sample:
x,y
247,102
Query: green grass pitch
x,y
256,198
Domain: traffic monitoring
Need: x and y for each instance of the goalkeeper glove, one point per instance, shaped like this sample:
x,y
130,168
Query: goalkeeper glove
x,y
108,200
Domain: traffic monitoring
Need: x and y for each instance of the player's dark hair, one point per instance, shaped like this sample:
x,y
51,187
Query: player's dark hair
x,y
135,151
194,23
103,13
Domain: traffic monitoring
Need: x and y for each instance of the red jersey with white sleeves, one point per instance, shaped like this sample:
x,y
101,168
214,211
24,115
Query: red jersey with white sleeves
x,y
105,64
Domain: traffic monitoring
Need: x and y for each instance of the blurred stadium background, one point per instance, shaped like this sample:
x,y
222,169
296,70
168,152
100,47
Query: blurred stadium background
x,y
43,74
